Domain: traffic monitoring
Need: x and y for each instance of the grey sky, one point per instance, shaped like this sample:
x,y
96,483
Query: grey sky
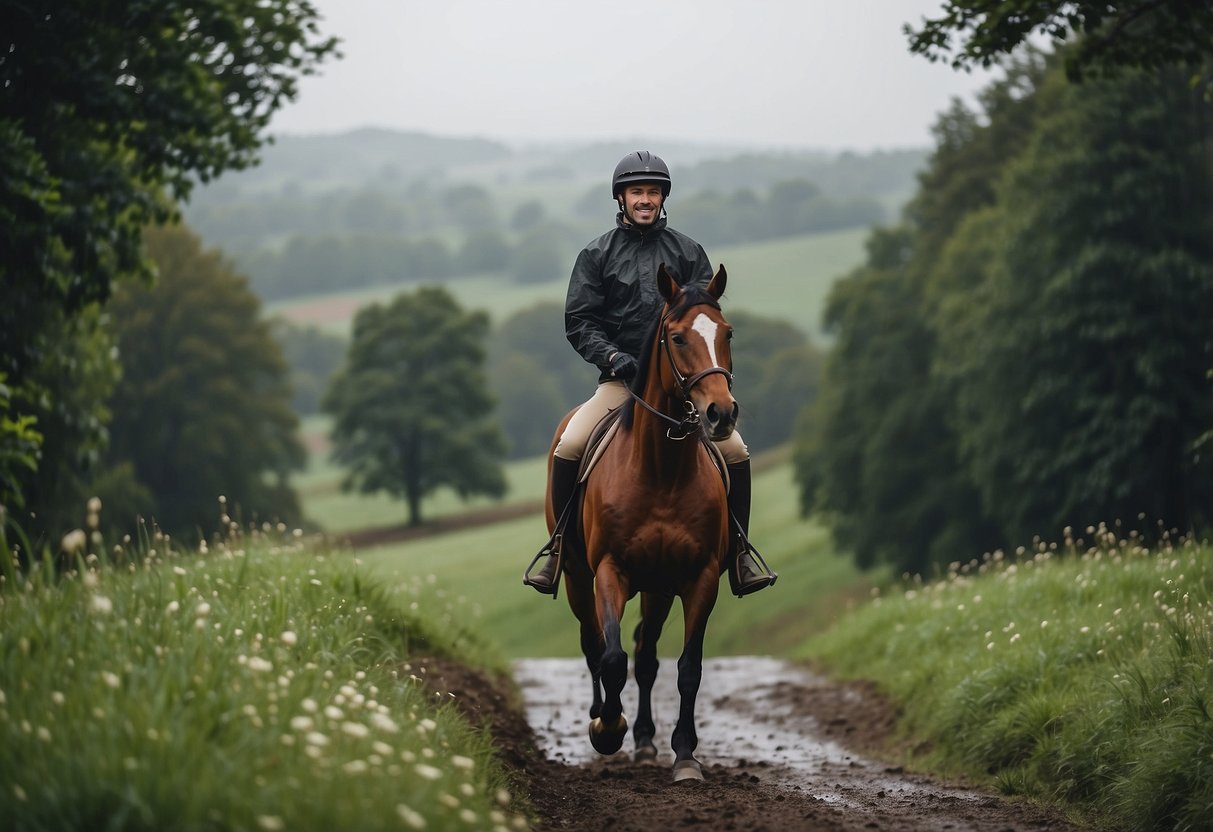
x,y
769,73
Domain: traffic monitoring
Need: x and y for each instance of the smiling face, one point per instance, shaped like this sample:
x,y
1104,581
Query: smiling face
x,y
641,202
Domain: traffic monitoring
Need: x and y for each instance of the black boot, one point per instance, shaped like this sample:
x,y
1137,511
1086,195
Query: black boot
x,y
747,571
564,483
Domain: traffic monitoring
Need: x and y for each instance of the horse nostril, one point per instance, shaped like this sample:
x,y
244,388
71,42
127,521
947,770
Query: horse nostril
x,y
736,411
713,414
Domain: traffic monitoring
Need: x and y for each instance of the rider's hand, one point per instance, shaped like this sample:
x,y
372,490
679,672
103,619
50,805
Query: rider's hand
x,y
623,366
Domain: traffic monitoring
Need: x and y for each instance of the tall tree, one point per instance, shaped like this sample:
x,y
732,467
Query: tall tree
x,y
108,112
203,407
412,409
1081,356
880,456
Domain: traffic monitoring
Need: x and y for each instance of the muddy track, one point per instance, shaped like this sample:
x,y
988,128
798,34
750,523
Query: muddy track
x,y
783,749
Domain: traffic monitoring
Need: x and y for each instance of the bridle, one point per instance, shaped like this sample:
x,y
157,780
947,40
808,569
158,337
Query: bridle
x,y
690,422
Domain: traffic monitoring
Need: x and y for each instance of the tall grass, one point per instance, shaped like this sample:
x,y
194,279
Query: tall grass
x,y
263,685
1079,672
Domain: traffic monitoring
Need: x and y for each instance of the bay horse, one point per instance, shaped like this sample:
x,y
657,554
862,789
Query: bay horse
x,y
655,519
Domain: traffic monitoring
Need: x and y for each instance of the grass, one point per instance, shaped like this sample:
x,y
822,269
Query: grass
x,y
1079,673
787,279
260,686
338,512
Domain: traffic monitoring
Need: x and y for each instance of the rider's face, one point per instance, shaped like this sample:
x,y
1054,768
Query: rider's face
x,y
642,202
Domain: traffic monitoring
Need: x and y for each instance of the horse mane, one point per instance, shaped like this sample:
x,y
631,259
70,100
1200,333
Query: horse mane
x,y
692,295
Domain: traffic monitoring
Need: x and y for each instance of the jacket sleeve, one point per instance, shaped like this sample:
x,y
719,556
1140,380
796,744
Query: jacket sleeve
x,y
583,308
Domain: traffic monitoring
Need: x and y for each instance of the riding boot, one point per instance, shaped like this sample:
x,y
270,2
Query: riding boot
x,y
745,575
564,483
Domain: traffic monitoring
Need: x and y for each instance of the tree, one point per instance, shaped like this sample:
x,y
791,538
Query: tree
x,y
108,112
412,409
203,407
1148,34
1080,358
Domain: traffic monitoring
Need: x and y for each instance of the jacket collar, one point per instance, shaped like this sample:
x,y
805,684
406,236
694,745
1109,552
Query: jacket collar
x,y
624,225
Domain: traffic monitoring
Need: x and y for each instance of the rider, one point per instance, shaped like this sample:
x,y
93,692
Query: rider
x,y
611,303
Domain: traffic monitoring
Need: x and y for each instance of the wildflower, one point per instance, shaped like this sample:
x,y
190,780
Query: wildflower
x,y
449,801
111,679
56,697
309,705
503,797
101,605
465,763
382,748
410,817
259,665
355,729
317,739
356,767
73,541
271,823
333,712
289,638
179,571
427,772
172,607
202,610
302,723
467,816
384,723
19,793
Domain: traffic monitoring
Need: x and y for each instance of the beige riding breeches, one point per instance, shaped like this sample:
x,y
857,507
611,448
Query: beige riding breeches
x,y
608,396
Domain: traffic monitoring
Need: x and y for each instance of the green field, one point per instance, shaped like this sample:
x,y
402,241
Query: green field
x,y
786,279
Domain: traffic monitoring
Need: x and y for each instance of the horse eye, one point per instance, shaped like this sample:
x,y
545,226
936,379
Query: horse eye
x,y
677,338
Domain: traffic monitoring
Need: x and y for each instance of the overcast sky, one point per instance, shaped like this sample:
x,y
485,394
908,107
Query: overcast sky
x,y
823,74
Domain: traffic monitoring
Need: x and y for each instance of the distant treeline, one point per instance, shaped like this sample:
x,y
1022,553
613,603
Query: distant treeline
x,y
365,240
377,207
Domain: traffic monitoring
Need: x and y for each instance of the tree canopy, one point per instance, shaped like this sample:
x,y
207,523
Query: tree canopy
x,y
1024,352
203,407
109,112
412,411
1147,34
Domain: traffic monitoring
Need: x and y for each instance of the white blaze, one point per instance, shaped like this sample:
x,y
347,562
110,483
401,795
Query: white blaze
x,y
706,327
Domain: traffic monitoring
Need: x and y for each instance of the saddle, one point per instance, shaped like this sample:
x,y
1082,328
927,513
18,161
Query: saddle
x,y
567,528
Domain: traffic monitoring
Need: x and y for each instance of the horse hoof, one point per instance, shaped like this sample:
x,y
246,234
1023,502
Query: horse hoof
x,y
645,753
687,770
607,739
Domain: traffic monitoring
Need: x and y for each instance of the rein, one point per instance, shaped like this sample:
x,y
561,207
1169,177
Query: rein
x,y
680,428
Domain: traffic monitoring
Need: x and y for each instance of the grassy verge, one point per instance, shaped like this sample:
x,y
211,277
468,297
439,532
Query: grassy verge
x,y
1085,678
263,686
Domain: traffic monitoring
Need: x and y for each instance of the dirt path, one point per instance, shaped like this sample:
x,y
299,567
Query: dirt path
x,y
778,743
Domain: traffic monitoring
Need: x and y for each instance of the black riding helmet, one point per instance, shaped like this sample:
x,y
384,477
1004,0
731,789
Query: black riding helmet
x,y
640,166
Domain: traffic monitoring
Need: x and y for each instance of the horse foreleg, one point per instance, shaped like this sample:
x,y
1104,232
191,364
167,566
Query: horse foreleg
x,y
697,606
611,591
653,609
580,596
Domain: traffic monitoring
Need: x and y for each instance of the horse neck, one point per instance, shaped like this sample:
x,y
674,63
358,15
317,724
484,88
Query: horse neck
x,y
653,450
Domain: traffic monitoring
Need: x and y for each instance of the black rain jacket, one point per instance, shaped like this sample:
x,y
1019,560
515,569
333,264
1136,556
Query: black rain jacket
x,y
613,299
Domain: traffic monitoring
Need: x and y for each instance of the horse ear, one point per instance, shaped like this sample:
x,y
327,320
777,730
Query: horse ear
x,y
716,287
667,284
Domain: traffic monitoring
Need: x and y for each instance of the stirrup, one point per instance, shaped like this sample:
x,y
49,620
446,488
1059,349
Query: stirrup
x,y
762,579
554,548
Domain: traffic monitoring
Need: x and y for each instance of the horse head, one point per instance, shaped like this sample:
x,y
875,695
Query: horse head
x,y
695,338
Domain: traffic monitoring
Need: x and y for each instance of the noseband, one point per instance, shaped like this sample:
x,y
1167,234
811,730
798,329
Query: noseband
x,y
689,423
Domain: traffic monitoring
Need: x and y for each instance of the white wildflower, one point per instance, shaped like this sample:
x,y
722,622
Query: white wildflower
x,y
355,729
465,763
271,823
427,772
289,638
410,817
111,679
